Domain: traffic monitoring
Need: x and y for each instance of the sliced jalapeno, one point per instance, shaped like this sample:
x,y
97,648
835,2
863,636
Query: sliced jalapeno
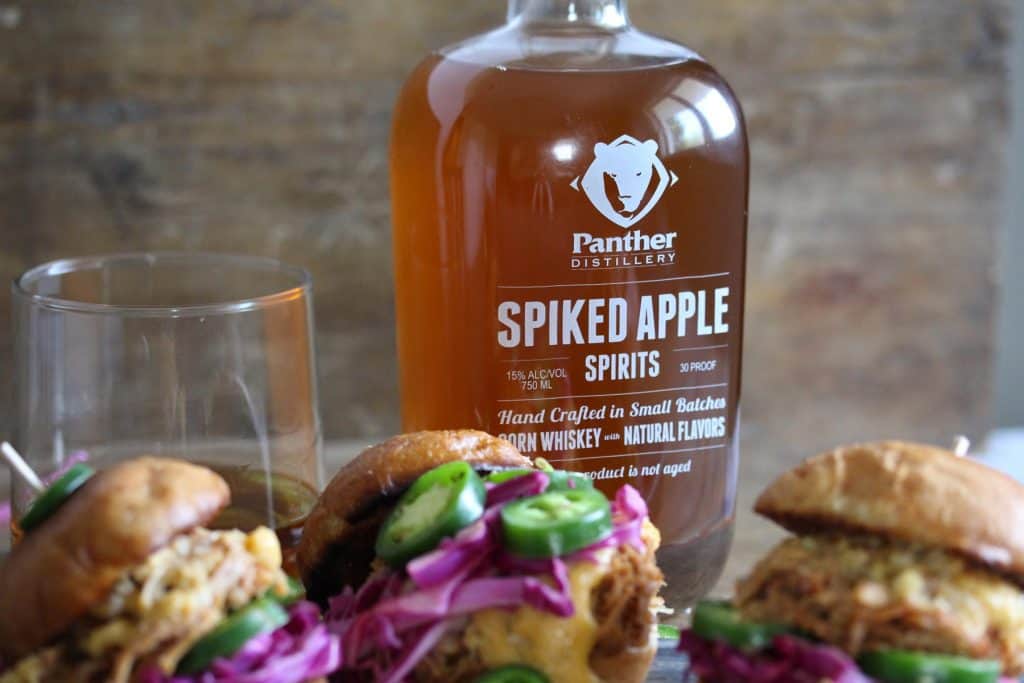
x,y
565,481
668,632
901,666
228,637
502,476
437,505
720,621
558,480
556,522
55,495
513,674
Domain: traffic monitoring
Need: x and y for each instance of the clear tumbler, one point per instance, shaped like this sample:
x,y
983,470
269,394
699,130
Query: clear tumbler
x,y
205,357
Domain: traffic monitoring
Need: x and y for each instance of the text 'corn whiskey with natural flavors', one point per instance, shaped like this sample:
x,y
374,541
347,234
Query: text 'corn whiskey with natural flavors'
x,y
570,209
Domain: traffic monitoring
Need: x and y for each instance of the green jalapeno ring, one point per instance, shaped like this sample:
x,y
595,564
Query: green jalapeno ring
x,y
439,504
259,616
556,523
714,620
515,673
55,495
668,632
902,666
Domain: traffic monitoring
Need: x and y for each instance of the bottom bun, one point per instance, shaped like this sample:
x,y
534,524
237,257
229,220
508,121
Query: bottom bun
x,y
628,666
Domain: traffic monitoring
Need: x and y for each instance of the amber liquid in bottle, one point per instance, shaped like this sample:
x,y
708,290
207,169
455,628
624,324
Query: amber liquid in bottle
x,y
569,234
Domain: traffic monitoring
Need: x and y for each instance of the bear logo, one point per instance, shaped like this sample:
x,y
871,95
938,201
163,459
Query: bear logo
x,y
626,180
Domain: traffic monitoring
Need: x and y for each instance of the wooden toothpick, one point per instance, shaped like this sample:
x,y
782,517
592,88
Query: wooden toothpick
x,y
961,445
21,467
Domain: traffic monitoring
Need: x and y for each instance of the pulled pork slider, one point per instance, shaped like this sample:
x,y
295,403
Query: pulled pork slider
x,y
446,556
907,565
117,580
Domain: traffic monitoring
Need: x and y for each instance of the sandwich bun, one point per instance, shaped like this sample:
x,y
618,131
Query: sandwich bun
x,y
908,492
112,524
359,497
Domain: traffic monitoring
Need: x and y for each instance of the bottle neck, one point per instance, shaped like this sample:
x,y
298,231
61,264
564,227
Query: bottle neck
x,y
610,14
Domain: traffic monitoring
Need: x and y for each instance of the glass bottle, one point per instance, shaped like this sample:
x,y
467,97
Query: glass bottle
x,y
570,213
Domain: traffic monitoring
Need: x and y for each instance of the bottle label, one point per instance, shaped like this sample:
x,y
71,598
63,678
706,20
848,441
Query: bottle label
x,y
624,367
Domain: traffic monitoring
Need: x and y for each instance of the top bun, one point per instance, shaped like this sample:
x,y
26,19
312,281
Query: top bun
x,y
71,562
359,498
906,491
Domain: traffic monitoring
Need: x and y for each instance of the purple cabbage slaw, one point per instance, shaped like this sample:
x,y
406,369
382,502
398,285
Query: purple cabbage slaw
x,y
791,660
301,650
396,618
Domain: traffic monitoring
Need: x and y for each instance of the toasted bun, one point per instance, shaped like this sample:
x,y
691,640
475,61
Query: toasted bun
x,y
906,491
69,564
623,626
356,502
628,666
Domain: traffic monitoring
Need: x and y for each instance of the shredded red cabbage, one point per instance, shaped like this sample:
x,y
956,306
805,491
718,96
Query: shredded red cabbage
x,y
390,624
518,487
301,650
69,462
790,660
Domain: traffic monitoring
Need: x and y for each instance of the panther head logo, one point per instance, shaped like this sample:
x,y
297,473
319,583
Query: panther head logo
x,y
625,180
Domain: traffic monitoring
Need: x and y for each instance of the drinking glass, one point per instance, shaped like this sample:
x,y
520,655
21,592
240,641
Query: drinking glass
x,y
206,357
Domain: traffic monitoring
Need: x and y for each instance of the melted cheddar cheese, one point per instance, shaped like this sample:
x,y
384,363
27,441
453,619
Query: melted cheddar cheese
x,y
558,646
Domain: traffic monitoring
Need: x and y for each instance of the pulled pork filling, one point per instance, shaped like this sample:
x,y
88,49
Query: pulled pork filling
x,y
863,593
156,611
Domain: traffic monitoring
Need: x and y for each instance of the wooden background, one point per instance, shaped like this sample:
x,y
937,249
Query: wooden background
x,y
261,126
